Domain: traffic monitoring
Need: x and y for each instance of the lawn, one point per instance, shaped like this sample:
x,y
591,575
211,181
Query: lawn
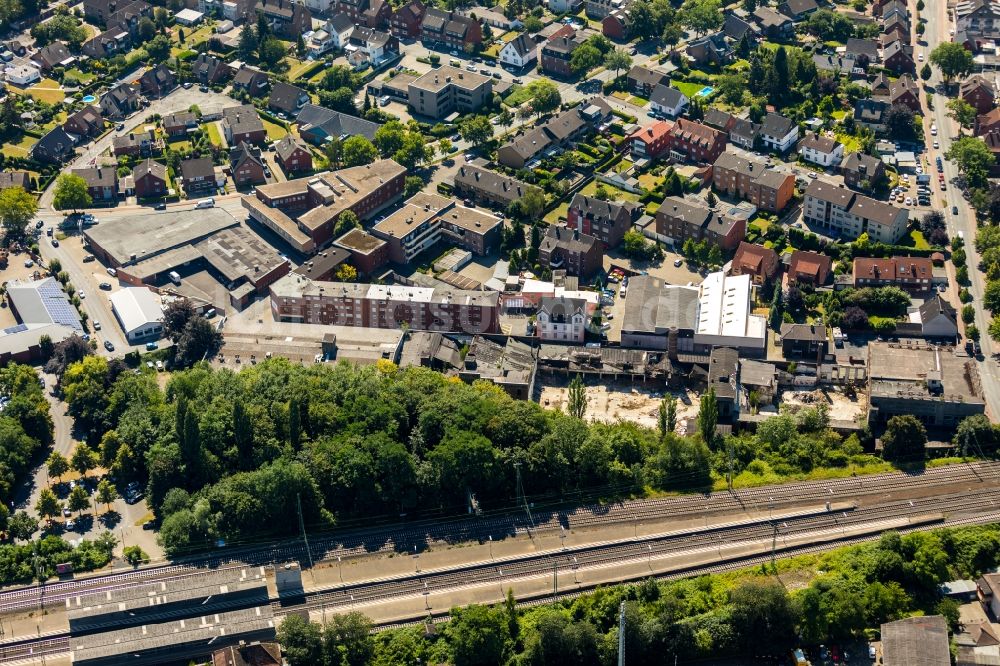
x,y
916,240
558,212
46,90
614,194
297,67
19,149
518,96
650,181
494,50
82,77
638,101
213,133
689,89
180,145
851,143
274,130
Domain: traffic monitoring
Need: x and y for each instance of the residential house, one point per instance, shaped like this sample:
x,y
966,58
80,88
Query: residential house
x,y
135,144
489,187
20,179
978,92
936,319
618,24
759,262
444,90
696,142
903,91
288,20
248,654
334,35
864,52
804,342
567,249
317,124
102,183
810,268
198,175
562,320
558,132
723,373
913,273
24,75
366,13
251,81
797,9
108,43
642,80
713,49
747,178
895,27
367,46
286,98
841,212
87,122
822,150
979,18
53,55
519,52
150,179
778,133
720,120
157,81
898,57
210,70
121,101
179,124
293,155
243,123
861,171
680,219
736,28
668,101
405,21
604,220
826,62
773,24
745,133
871,113
450,29
557,52
99,11
565,6
598,9
988,122
246,165
651,142
54,147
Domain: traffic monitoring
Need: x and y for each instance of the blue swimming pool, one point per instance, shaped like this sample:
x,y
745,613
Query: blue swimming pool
x,y
705,92
90,99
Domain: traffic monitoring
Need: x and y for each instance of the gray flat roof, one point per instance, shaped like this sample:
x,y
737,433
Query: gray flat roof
x,y
147,235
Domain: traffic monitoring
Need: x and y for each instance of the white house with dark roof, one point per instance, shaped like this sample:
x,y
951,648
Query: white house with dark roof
x,y
562,320
821,150
519,52
778,133
668,101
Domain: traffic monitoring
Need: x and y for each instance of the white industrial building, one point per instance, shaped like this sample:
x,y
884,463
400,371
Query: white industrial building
x,y
139,312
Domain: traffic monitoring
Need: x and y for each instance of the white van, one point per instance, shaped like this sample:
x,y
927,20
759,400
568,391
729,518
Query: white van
x,y
205,203
174,277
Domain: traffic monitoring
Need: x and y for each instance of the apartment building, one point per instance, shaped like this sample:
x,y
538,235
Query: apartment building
x,y
696,142
426,219
746,178
912,273
289,20
606,221
841,212
298,299
304,211
680,219
557,52
450,29
567,249
445,90
489,187
562,320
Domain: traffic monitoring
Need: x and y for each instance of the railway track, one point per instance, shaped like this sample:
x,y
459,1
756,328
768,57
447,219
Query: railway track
x,y
962,508
404,537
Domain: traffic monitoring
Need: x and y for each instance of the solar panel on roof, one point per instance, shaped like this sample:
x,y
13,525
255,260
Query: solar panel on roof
x,y
19,328
59,308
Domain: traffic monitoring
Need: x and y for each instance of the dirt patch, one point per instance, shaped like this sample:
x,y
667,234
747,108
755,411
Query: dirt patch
x,y
841,407
614,402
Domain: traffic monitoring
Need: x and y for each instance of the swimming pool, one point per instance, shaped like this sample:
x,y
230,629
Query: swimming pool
x,y
90,99
705,92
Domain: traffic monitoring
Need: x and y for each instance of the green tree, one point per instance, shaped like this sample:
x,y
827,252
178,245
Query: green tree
x,y
952,59
762,616
106,542
271,51
57,465
79,499
972,157
925,72
48,505
158,48
584,58
106,493
701,16
22,525
478,636
708,417
84,459
301,641
135,555
994,329
358,151
345,222
146,29
347,640
545,96
962,112
477,130
904,439
975,437
617,60
969,314
17,207
71,193
576,402
412,185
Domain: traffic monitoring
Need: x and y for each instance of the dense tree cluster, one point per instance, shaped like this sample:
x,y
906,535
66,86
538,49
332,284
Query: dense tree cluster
x,y
25,426
712,616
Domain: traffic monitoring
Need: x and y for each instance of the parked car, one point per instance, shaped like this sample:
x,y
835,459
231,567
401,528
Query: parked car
x,y
159,366
678,263
954,210
97,325
81,294
108,345
160,206
150,346
105,285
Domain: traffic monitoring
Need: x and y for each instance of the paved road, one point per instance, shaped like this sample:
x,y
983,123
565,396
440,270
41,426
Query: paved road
x,y
937,32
